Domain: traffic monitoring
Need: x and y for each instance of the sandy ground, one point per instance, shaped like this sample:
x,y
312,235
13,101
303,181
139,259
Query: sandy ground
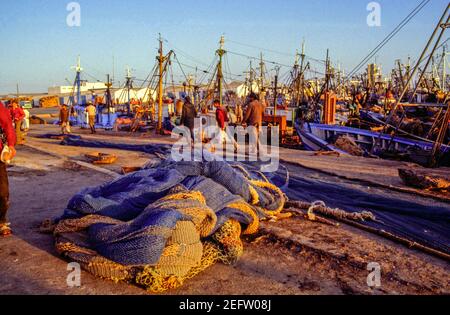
x,y
320,259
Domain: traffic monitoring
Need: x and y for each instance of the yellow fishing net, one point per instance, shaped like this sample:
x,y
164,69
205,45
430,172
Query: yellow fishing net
x,y
190,249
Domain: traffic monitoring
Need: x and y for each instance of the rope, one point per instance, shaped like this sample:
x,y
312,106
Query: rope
x,y
321,208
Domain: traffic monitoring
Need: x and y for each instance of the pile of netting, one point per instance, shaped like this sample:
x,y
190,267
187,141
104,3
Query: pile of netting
x,y
163,225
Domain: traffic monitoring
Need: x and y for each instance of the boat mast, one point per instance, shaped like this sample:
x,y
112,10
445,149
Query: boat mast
x,y
160,59
251,77
261,73
444,69
108,99
275,93
302,63
220,52
78,70
129,86
442,24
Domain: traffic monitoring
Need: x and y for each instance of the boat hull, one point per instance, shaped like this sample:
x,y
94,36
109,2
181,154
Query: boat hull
x,y
317,137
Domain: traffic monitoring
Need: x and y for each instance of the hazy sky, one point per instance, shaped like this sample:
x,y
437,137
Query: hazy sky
x,y
38,47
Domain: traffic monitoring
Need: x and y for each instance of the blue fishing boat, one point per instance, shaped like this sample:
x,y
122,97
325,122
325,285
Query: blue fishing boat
x,y
321,137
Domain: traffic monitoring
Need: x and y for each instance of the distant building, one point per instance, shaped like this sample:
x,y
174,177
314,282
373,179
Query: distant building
x,y
85,87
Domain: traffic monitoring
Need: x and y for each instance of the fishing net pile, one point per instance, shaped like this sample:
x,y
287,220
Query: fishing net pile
x,y
349,145
163,225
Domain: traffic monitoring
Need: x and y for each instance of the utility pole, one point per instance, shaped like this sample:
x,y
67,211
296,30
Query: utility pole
x,y
327,73
261,73
251,77
129,87
220,52
444,69
160,86
113,68
275,93
78,70
302,85
108,98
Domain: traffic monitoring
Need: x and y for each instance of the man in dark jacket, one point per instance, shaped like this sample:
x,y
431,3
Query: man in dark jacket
x,y
188,115
8,137
64,119
253,117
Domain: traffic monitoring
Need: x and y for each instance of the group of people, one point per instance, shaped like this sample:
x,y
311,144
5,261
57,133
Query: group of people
x,y
225,116
64,117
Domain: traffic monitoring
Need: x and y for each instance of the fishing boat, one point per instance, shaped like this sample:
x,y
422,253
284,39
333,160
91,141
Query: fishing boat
x,y
321,137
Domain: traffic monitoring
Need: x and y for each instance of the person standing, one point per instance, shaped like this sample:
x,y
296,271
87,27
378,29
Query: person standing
x,y
221,115
8,138
91,111
64,119
26,120
239,113
188,115
18,115
253,117
232,120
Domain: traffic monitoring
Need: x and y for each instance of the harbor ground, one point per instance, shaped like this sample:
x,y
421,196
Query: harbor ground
x,y
323,259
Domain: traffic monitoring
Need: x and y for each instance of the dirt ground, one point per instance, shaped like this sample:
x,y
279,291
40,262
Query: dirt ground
x,y
292,256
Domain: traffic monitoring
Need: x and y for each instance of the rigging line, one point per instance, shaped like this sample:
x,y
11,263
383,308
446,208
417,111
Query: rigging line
x,y
93,68
89,75
208,71
260,48
255,58
397,29
440,46
192,67
394,32
176,59
211,66
228,70
185,53
152,72
274,51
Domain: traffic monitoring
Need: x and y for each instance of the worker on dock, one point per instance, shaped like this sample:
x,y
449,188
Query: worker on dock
x,y
232,119
221,115
64,119
239,113
188,115
92,111
8,152
253,117
18,115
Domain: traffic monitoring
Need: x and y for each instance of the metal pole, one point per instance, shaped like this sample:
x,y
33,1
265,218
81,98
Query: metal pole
x,y
108,98
261,68
444,70
275,94
220,52
160,86
429,60
417,65
410,76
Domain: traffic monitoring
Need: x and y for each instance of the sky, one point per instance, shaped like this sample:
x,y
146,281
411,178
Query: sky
x,y
39,48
